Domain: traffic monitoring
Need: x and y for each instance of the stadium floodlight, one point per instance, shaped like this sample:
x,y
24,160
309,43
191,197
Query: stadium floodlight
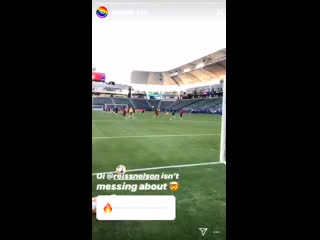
x,y
223,126
174,74
200,65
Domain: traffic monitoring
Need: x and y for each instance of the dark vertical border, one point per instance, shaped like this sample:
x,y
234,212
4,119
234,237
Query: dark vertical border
x,y
47,145
254,122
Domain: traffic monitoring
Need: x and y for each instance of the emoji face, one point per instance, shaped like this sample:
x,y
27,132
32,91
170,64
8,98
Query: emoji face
x,y
174,186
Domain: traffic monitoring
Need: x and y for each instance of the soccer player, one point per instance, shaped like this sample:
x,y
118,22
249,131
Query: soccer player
x,y
173,115
116,110
133,112
142,111
124,112
181,113
156,113
130,112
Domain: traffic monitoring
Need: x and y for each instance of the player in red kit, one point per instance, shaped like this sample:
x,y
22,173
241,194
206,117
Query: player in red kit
x,y
181,113
124,112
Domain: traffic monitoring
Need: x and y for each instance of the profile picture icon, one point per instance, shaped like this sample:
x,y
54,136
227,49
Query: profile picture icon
x,y
102,12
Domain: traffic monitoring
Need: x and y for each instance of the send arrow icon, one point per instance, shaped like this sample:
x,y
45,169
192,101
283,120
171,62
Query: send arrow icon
x,y
203,231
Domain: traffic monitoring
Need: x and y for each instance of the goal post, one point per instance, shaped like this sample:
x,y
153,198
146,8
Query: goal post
x,y
223,126
113,106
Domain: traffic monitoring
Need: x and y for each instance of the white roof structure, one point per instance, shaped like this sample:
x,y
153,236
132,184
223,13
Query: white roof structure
x,y
208,68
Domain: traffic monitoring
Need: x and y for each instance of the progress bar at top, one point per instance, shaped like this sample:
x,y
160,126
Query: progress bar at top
x,y
162,3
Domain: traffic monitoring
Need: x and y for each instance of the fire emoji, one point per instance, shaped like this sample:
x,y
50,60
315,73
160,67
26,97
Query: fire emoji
x,y
107,208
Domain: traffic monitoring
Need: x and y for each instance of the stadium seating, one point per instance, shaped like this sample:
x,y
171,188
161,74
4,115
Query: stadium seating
x,y
122,101
182,103
154,102
211,103
141,103
197,104
207,105
101,101
164,105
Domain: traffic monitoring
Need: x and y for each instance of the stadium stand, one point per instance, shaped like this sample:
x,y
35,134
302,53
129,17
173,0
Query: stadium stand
x,y
182,103
101,100
153,102
122,101
164,105
198,105
204,104
141,103
211,103
209,106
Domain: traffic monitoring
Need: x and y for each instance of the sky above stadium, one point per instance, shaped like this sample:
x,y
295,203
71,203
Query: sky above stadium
x,y
154,35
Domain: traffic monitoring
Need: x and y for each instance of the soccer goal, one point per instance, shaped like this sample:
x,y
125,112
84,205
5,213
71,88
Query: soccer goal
x,y
223,126
97,108
112,107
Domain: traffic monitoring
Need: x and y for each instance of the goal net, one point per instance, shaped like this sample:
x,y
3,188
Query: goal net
x,y
97,107
112,107
223,126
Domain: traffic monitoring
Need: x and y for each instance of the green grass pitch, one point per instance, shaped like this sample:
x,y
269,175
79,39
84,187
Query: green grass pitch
x,y
201,199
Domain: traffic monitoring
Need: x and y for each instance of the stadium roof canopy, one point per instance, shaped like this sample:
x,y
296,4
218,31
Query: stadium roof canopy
x,y
208,68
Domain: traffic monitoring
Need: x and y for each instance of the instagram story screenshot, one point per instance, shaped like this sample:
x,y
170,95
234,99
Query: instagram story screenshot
x,y
159,119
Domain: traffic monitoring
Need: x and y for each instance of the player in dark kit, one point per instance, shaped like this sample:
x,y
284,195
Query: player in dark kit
x,y
173,115
142,111
116,110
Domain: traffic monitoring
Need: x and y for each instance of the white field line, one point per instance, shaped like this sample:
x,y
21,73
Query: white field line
x,y
164,167
156,136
